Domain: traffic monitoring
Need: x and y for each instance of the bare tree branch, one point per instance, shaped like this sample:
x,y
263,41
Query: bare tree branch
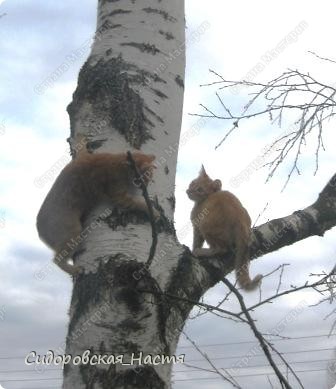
x,y
231,380
285,362
257,334
279,96
324,281
323,58
313,220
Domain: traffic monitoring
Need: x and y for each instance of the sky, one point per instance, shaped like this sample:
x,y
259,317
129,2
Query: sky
x,y
35,38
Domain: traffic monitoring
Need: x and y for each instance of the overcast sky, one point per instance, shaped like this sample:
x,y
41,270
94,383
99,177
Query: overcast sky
x,y
35,38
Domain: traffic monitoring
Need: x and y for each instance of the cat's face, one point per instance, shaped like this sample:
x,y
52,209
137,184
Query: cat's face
x,y
200,188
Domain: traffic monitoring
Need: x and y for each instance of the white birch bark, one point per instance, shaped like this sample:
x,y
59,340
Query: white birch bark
x,y
129,97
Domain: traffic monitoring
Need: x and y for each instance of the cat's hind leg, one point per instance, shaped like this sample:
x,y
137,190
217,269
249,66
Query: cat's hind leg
x,y
68,245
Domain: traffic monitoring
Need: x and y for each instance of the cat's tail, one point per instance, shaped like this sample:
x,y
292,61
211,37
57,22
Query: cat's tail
x,y
242,263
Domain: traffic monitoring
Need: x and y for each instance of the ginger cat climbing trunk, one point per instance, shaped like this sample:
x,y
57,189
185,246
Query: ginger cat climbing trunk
x,y
219,218
81,185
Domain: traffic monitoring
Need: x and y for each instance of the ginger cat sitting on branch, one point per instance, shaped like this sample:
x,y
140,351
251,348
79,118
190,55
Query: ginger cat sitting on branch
x,y
225,225
81,185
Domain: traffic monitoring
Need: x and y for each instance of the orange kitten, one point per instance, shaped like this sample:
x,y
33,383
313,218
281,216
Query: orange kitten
x,y
81,185
219,218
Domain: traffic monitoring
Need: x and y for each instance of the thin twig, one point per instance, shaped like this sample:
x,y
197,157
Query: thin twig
x,y
280,279
285,362
270,382
235,125
231,380
257,334
281,95
260,214
208,307
323,58
294,289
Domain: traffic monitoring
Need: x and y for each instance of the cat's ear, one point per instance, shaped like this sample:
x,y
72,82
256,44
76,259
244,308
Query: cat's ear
x,y
147,162
202,171
217,185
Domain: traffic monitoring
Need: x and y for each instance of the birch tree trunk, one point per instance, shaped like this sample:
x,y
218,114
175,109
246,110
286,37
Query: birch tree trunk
x,y
129,97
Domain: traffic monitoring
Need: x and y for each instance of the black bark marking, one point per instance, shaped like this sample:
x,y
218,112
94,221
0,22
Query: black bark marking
x,y
115,272
92,375
166,170
164,224
179,81
309,220
185,284
258,239
163,306
157,117
131,325
143,47
172,202
121,218
159,94
84,294
167,35
182,272
106,85
326,203
160,12
95,144
145,78
280,230
119,12
126,284
112,26
143,377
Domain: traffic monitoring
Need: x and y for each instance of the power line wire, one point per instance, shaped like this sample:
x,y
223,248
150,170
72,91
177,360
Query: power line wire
x,y
176,371
41,387
261,355
242,376
175,380
31,379
254,366
254,341
29,371
221,344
